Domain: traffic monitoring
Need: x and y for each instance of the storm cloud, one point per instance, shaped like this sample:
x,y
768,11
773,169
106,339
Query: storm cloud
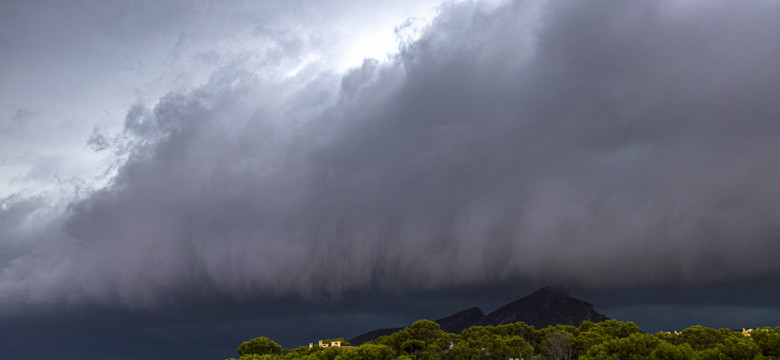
x,y
594,144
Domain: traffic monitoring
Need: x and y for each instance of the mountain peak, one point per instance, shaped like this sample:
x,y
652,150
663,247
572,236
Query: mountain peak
x,y
546,306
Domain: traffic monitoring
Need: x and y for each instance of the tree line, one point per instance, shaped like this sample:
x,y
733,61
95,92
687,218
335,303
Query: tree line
x,y
607,340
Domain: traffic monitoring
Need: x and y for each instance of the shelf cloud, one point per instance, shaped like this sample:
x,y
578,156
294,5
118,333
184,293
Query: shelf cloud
x,y
595,144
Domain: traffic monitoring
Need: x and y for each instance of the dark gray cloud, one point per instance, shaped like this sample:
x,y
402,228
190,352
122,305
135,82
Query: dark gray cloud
x,y
596,145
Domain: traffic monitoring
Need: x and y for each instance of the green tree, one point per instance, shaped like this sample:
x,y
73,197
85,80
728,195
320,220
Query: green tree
x,y
612,328
734,348
367,352
487,342
586,340
768,339
525,331
259,346
412,346
424,339
329,353
702,338
375,352
427,331
667,351
488,347
633,347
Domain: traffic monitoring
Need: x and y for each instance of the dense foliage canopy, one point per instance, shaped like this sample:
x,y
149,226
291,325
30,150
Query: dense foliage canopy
x,y
608,340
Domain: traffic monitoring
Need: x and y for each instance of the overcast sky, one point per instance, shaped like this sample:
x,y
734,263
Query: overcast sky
x,y
171,170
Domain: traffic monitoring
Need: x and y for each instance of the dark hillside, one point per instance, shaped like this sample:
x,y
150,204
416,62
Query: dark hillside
x,y
543,308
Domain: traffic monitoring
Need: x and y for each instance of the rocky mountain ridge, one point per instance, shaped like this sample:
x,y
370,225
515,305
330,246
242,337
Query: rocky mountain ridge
x,y
544,307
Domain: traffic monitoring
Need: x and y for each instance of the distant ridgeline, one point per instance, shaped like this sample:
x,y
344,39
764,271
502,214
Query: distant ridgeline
x,y
547,324
543,308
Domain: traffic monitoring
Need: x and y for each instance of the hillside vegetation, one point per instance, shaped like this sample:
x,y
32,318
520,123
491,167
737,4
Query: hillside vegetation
x,y
609,339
